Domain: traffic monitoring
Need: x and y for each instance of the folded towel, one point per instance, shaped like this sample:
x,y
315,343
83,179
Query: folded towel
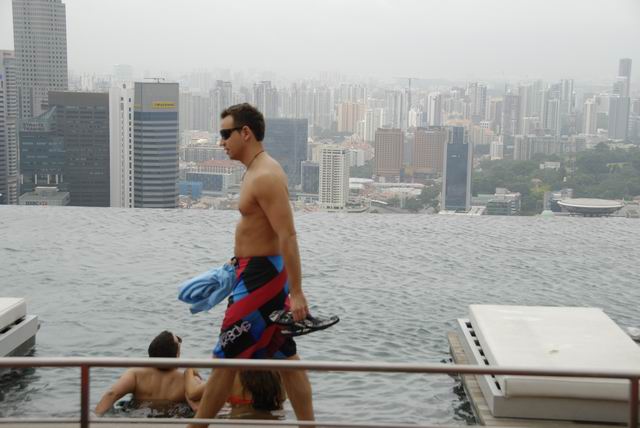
x,y
208,289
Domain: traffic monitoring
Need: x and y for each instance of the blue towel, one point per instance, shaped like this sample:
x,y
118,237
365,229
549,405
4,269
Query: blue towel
x,y
208,289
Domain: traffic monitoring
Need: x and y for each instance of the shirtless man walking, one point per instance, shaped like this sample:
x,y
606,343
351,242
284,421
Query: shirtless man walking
x,y
268,273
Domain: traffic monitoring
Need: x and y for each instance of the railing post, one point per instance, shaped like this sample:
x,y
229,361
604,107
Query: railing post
x,y
633,402
84,396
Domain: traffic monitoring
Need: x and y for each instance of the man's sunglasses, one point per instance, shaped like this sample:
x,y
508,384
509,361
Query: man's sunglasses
x,y
226,133
179,338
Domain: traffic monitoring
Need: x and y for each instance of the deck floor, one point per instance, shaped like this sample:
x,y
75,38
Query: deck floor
x,y
481,409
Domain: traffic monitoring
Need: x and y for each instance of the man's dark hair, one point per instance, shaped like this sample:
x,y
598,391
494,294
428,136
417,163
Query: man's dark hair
x,y
246,115
163,346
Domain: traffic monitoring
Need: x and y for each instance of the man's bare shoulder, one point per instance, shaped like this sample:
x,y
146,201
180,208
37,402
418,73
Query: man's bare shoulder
x,y
268,173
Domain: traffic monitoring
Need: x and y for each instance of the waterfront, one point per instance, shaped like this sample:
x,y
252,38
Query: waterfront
x,y
103,282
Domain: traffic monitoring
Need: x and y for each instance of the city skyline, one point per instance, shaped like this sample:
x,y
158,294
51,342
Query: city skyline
x,y
347,38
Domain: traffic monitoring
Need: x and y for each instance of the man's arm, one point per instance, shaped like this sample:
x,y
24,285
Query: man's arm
x,y
273,197
125,385
193,385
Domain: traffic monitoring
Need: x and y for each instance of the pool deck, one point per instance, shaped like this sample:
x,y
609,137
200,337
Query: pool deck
x,y
481,409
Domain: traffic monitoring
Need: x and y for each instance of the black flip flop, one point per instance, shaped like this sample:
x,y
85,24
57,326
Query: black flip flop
x,y
298,328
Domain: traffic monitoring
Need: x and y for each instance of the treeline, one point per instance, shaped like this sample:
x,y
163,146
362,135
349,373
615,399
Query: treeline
x,y
598,173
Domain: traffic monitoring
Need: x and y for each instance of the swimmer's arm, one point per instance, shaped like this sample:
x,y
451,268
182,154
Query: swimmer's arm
x,y
193,385
273,197
125,385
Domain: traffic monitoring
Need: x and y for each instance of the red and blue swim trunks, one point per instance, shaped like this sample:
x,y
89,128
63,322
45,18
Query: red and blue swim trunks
x,y
261,287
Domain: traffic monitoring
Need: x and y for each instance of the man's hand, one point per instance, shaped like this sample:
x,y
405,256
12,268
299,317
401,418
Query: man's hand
x,y
299,307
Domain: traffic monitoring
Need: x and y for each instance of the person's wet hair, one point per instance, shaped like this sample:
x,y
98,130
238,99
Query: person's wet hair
x,y
163,346
246,115
265,388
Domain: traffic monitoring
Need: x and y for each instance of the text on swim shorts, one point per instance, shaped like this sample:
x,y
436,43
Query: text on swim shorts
x,y
233,333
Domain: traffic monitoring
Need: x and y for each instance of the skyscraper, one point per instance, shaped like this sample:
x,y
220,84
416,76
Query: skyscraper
x,y
40,39
155,145
478,99
434,109
389,152
456,175
286,141
82,122
334,178
121,103
428,150
265,98
8,129
350,115
624,71
590,113
618,117
221,97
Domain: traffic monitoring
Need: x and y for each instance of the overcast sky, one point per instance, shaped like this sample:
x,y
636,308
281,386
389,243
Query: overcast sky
x,y
463,39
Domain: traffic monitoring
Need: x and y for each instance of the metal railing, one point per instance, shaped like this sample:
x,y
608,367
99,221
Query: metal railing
x,y
86,364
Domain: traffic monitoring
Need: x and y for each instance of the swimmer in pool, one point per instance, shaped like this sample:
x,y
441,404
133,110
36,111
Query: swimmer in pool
x,y
149,384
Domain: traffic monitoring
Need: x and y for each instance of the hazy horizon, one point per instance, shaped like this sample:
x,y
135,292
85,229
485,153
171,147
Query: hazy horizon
x,y
458,39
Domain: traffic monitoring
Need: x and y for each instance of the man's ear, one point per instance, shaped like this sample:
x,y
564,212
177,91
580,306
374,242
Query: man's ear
x,y
246,133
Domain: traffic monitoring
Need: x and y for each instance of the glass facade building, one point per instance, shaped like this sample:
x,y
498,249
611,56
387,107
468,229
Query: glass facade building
x,y
286,142
456,176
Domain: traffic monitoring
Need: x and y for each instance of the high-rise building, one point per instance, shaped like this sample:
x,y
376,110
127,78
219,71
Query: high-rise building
x,y
265,98
40,39
41,153
567,96
121,105
428,150
456,175
510,114
478,101
8,129
350,115
494,115
221,97
286,142
310,177
155,145
389,154
334,177
434,109
395,109
82,122
624,71
373,119
590,113
552,117
618,117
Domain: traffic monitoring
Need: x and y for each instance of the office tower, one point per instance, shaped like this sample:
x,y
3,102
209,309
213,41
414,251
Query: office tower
x,y
388,147
121,104
333,178
526,94
310,177
220,97
42,156
590,113
349,115
526,146
265,98
477,93
567,96
624,71
155,145
618,117
373,119
434,109
40,39
494,115
82,121
552,117
510,114
195,112
322,109
428,150
456,175
395,110
8,129
286,142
